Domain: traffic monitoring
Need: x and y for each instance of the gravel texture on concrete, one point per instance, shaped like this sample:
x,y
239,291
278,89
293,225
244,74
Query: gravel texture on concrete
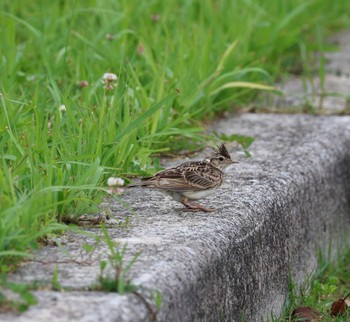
x,y
276,209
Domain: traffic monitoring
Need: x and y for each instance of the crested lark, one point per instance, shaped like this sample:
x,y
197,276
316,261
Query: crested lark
x,y
191,180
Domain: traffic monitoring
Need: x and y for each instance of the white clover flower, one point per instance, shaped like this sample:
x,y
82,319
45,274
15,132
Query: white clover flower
x,y
62,108
116,191
113,181
109,77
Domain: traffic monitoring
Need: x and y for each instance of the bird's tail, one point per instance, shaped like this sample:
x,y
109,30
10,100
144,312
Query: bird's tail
x,y
133,185
137,185
143,183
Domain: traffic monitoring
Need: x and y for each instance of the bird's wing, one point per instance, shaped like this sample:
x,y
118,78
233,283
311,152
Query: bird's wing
x,y
194,176
169,179
201,182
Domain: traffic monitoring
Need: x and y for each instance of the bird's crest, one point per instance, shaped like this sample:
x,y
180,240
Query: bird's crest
x,y
223,151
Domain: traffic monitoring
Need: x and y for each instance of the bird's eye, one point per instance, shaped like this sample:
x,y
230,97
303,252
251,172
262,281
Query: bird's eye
x,y
221,158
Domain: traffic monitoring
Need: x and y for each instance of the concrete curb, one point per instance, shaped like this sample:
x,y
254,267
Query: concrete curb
x,y
276,209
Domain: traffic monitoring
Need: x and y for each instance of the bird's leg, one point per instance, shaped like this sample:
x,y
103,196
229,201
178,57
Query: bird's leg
x,y
194,207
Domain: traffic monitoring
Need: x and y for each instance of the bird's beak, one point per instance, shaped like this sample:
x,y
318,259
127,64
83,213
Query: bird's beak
x,y
234,161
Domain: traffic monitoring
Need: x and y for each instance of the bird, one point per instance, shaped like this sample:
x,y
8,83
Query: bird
x,y
191,180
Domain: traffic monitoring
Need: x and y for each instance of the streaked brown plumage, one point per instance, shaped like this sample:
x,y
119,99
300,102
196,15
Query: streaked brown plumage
x,y
191,180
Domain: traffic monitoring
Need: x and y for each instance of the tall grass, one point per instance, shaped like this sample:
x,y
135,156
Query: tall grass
x,y
177,62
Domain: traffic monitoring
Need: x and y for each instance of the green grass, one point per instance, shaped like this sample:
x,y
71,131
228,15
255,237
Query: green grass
x,y
329,283
178,62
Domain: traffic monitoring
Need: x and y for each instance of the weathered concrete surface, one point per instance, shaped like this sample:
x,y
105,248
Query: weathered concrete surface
x,y
276,208
307,94
338,61
306,91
